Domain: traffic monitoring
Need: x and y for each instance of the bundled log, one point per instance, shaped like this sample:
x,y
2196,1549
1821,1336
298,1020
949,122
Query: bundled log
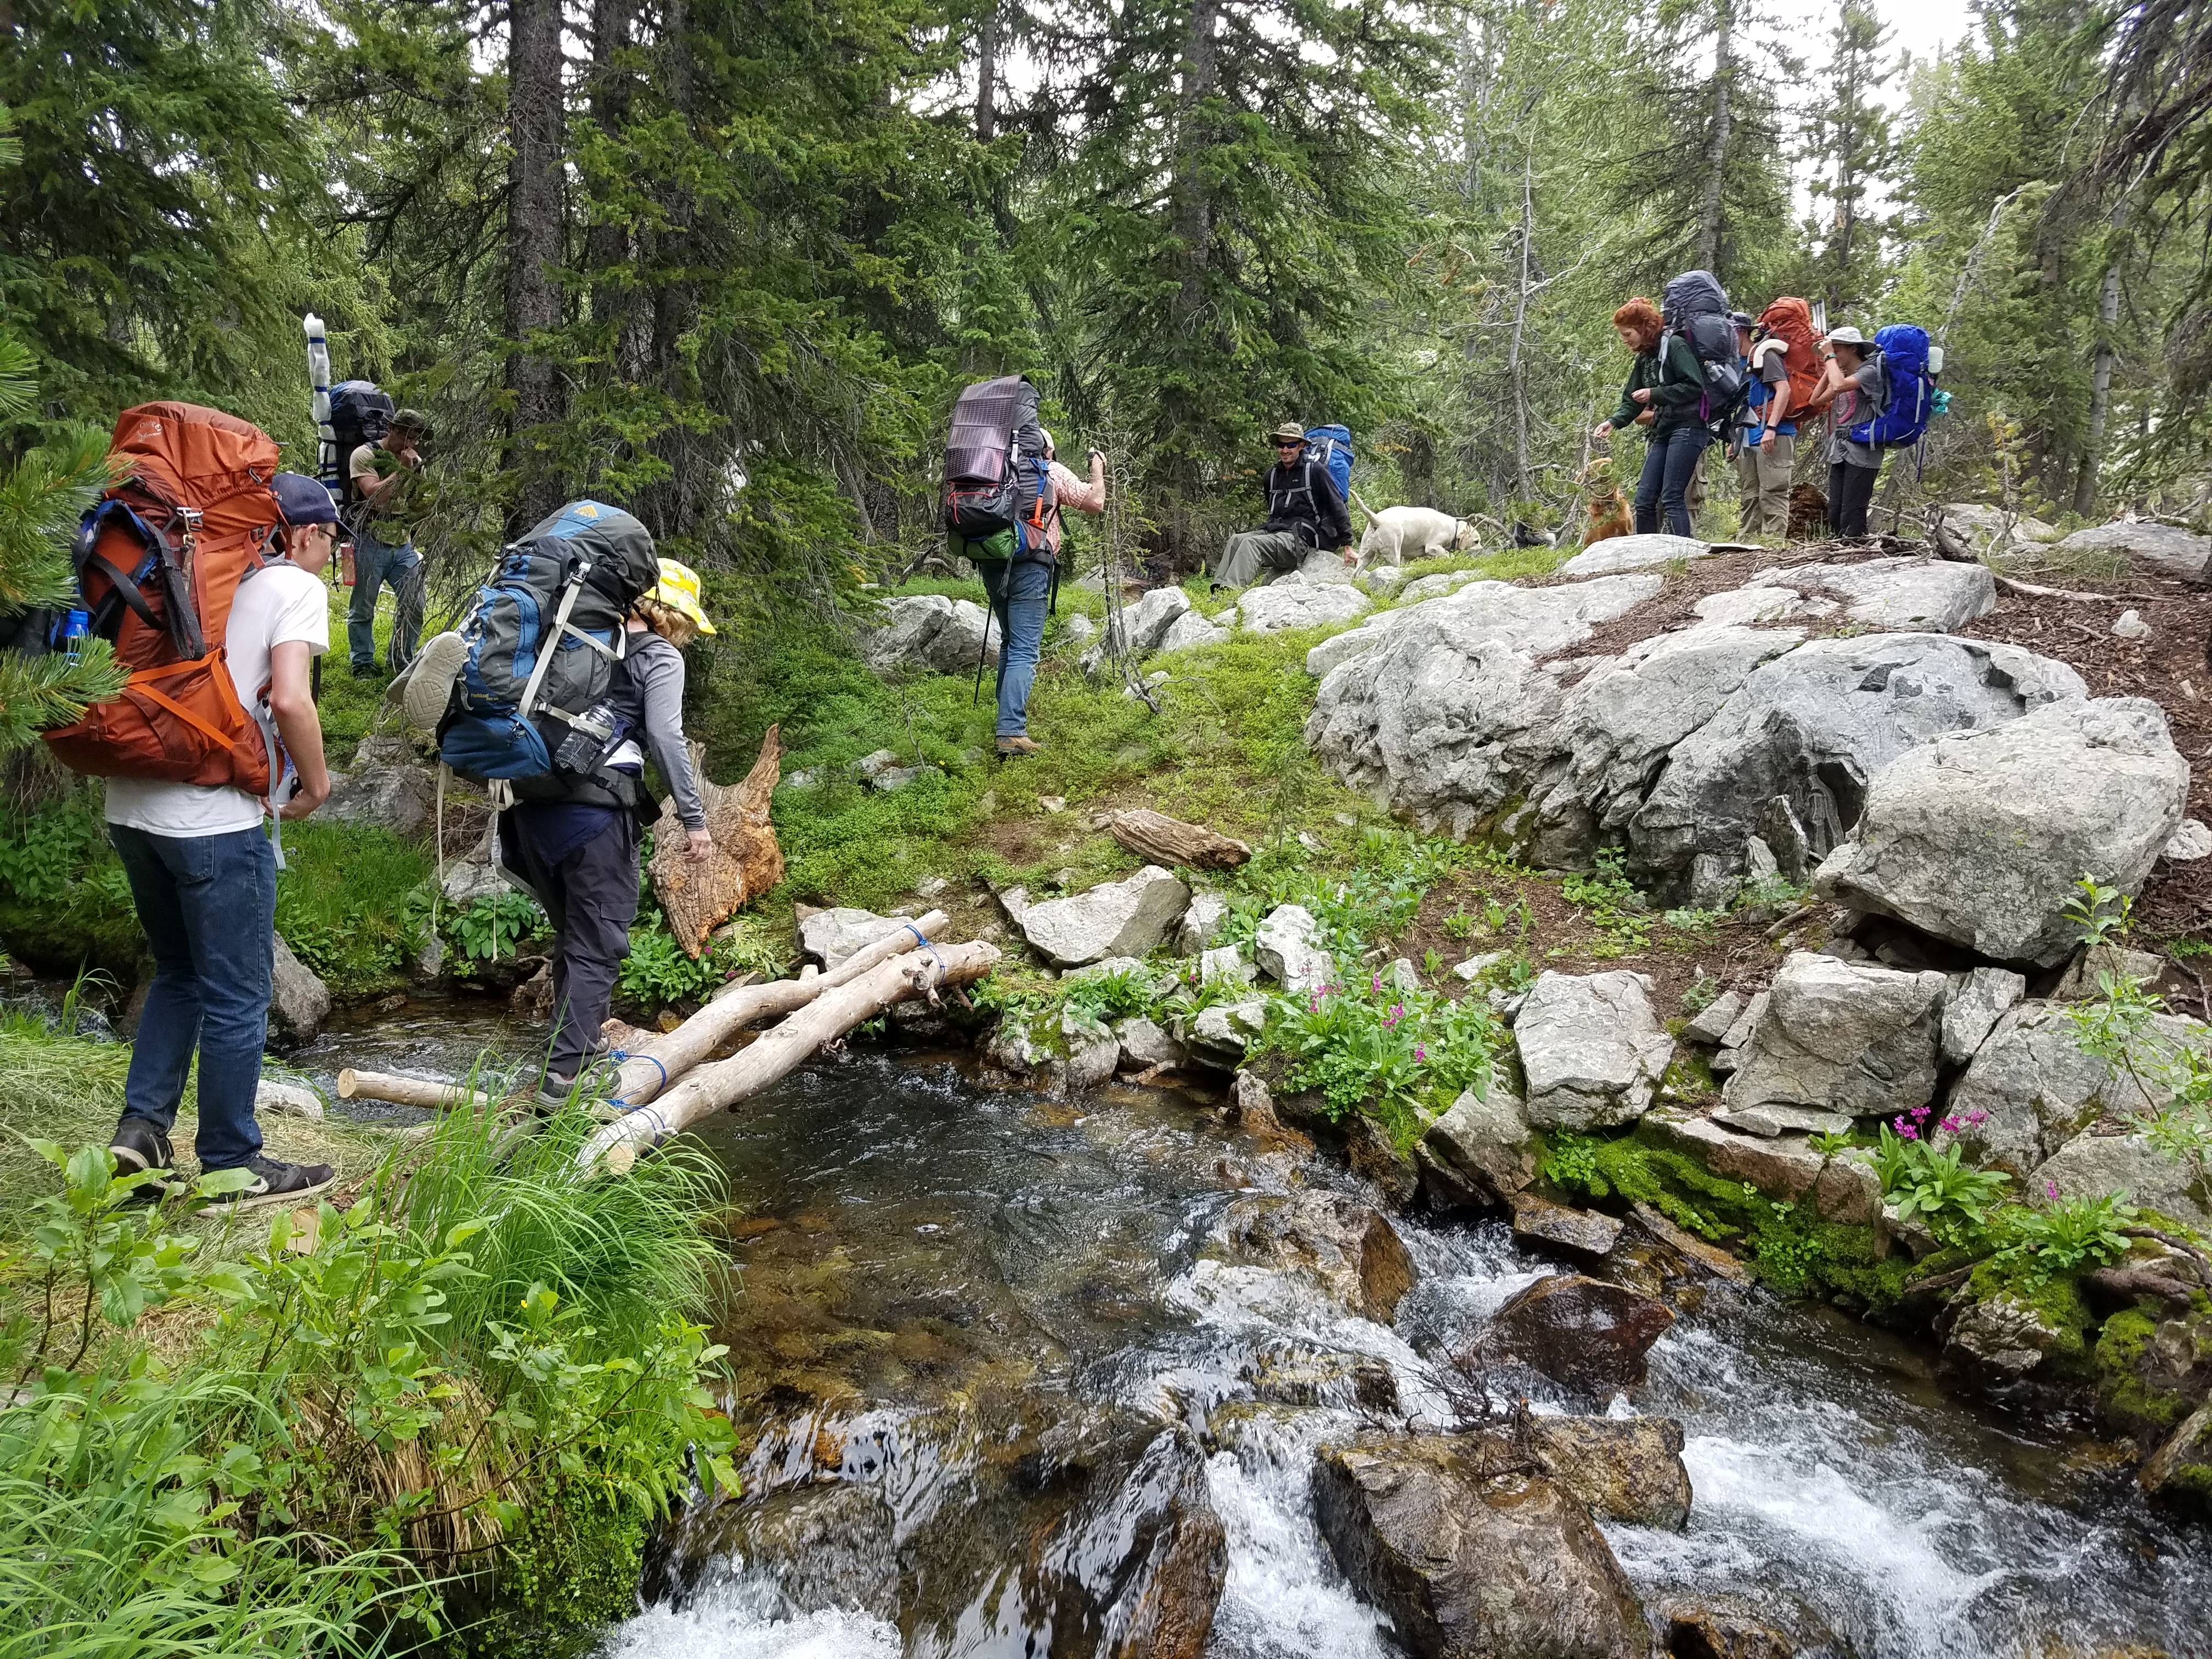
x,y
406,1090
780,1049
700,894
659,1063
1162,840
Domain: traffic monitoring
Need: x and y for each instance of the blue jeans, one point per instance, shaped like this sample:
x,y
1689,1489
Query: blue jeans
x,y
1019,590
1669,461
208,906
375,563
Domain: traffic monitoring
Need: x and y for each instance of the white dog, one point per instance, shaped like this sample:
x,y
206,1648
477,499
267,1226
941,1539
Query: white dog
x,y
1399,533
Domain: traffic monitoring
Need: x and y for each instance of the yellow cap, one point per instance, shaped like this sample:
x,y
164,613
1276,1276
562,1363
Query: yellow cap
x,y
679,589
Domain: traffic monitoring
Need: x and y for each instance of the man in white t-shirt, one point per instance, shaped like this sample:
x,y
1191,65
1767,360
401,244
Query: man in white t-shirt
x,y
203,877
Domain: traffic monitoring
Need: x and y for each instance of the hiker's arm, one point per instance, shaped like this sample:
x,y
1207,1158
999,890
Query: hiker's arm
x,y
1831,381
375,492
1084,495
662,675
292,701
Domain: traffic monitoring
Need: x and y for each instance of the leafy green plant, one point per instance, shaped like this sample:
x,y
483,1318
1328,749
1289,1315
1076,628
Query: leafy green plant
x,y
1613,904
1401,1055
1100,998
1432,963
2123,1027
1459,925
2103,914
1937,1186
493,925
1571,1161
2060,1237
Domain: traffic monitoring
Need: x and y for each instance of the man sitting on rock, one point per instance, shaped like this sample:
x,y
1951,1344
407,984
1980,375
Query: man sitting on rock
x,y
1304,514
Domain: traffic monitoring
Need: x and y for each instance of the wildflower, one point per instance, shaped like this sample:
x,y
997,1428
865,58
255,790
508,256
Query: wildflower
x,y
1978,1117
2050,1191
1949,1126
1908,1132
1419,1052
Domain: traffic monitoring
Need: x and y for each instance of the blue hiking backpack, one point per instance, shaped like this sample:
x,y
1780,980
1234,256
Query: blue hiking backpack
x,y
1332,446
1903,418
542,640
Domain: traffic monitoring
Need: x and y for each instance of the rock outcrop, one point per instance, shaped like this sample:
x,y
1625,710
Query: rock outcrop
x,y
1283,946
1467,1564
928,631
1618,553
1302,604
2161,546
1114,918
1487,1139
1623,1469
388,785
1591,1048
830,936
299,1001
1843,1037
1979,836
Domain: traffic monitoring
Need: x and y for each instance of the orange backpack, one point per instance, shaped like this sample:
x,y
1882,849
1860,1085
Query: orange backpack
x,y
1790,320
158,562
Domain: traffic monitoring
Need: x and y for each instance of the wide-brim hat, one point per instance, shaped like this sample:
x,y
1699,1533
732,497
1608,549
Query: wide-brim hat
x,y
1848,336
679,589
1289,432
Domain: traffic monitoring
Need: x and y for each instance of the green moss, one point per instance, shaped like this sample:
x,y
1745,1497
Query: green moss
x,y
2124,1399
2056,1300
1689,1078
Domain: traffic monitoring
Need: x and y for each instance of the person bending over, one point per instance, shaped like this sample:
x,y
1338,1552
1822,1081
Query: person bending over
x,y
1665,384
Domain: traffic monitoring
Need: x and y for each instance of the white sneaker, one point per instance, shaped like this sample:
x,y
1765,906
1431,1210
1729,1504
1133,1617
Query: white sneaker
x,y
430,679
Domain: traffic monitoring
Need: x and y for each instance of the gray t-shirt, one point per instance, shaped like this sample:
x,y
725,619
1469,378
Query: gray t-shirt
x,y
1863,394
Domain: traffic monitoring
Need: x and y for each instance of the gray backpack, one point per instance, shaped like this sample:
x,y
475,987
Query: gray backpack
x,y
1695,306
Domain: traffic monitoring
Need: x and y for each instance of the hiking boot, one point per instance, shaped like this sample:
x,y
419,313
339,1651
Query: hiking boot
x,y
1018,746
139,1145
274,1181
430,679
554,1091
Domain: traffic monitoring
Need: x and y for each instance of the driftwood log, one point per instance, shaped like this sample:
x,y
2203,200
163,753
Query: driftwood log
x,y
700,894
1162,840
659,1063
407,1090
780,1050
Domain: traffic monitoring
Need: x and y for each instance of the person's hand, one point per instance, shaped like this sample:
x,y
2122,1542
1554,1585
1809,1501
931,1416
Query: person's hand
x,y
1347,554
1600,432
702,844
305,800
1766,437
1097,458
1642,395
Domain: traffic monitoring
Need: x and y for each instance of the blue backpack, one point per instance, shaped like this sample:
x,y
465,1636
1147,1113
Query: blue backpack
x,y
542,640
1332,446
1903,418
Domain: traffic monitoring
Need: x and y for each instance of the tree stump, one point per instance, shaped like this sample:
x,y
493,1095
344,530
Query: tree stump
x,y
699,896
1162,840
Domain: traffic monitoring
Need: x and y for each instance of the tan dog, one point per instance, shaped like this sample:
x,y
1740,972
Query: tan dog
x,y
1399,533
1606,511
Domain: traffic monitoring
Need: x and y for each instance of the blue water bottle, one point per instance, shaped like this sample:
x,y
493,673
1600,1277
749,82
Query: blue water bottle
x,y
76,628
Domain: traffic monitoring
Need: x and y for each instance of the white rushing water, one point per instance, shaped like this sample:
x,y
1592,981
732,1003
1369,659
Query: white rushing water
x,y
1837,1491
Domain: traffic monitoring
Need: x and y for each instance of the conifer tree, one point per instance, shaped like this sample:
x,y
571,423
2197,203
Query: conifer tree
x,y
1853,153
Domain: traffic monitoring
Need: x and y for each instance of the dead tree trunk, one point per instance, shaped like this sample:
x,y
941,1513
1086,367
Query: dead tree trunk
x,y
2100,384
535,246
1717,142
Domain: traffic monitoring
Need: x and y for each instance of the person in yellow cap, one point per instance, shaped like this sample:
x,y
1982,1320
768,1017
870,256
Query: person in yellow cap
x,y
581,859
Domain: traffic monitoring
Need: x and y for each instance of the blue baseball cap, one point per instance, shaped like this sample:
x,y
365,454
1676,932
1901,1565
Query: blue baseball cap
x,y
301,499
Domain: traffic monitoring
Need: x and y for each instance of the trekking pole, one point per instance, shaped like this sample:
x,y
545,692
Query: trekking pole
x,y
983,651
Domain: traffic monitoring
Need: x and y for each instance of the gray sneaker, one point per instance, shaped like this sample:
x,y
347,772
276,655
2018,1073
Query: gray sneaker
x,y
430,679
274,1181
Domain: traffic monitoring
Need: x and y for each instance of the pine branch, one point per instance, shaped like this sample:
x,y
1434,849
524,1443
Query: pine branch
x,y
41,498
38,693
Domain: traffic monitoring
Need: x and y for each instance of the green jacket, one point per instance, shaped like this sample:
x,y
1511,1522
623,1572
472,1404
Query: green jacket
x,y
1676,386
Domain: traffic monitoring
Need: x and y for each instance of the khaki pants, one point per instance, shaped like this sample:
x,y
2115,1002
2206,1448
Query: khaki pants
x,y
1763,477
1249,554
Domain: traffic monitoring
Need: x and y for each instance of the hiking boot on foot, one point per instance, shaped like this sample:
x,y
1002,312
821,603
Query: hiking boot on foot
x,y
430,679
139,1145
274,1181
1018,746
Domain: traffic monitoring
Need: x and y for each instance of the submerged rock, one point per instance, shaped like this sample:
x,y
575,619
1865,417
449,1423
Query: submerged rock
x,y
1979,836
1589,1334
1591,1048
1841,1036
1466,1565
1346,1247
1702,1630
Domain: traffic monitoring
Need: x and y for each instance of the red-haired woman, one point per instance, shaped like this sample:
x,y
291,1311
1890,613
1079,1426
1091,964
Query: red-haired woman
x,y
1665,392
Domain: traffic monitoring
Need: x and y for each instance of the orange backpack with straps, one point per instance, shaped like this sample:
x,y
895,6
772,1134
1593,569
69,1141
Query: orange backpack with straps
x,y
158,562
1790,320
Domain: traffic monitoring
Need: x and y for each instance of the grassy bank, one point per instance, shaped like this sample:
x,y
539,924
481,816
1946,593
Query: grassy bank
x,y
442,1410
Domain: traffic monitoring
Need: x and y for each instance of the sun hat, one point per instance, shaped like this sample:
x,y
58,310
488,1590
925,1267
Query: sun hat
x,y
414,420
1289,432
1847,336
679,589
302,500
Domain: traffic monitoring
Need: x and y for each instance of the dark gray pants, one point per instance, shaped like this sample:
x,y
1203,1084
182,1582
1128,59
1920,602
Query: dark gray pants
x,y
591,898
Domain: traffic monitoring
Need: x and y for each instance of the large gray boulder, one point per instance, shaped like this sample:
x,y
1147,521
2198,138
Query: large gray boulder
x,y
1427,721
2032,1087
1149,620
928,631
1934,595
830,936
1843,1037
1114,918
1283,946
1619,553
1300,604
2161,546
1468,1564
388,787
1979,837
1591,1048
1190,631
1486,1140
1812,726
299,1001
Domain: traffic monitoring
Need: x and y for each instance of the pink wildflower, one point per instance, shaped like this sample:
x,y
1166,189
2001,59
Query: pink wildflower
x,y
1949,1126
1420,1053
2050,1190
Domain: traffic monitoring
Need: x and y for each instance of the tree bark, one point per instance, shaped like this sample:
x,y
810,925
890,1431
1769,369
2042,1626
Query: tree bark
x,y
987,76
2100,387
1515,367
607,251
1710,221
536,245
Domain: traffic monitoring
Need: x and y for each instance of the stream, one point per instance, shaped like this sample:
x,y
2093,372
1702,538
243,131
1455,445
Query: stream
x,y
966,1266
